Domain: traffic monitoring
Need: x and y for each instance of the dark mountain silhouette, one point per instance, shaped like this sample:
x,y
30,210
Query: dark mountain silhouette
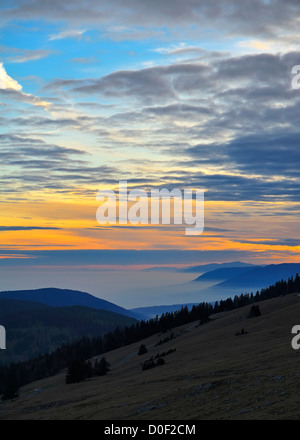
x,y
224,273
64,297
262,276
202,268
33,328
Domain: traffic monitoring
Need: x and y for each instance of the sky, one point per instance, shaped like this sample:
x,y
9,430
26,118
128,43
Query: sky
x,y
173,94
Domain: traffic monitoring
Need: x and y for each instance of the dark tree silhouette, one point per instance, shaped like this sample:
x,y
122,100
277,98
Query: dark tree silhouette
x,y
160,361
101,367
147,365
10,391
77,372
254,312
142,350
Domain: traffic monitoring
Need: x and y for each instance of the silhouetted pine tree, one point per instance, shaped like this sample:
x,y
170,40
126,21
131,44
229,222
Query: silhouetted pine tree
x,y
77,372
142,350
148,364
160,361
101,367
254,312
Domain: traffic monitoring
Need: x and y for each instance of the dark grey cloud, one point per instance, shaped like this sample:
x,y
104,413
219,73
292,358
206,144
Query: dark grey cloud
x,y
142,84
19,96
258,17
150,85
185,111
277,242
13,138
26,228
241,81
263,154
232,187
269,155
41,122
118,257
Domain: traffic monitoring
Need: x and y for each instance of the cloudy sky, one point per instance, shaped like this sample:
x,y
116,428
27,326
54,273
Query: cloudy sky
x,y
173,94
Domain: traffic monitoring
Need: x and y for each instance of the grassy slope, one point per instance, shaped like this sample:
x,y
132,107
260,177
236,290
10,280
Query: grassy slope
x,y
213,374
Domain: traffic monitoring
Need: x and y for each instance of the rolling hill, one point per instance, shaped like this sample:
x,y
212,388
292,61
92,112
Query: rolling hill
x,y
215,373
224,273
259,277
64,298
202,268
34,328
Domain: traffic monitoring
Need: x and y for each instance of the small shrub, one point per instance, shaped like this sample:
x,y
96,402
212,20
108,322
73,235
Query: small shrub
x,y
147,365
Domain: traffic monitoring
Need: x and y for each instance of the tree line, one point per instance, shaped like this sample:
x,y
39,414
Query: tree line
x,y
14,376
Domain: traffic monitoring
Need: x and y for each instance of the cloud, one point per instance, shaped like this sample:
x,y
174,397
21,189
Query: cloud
x,y
29,164
84,60
30,55
119,257
16,94
230,125
149,84
26,228
180,49
291,242
67,34
176,17
235,75
10,88
6,82
226,123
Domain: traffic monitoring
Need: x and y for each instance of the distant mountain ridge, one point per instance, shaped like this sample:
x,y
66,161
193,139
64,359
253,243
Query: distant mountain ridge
x,y
65,297
261,277
225,273
203,268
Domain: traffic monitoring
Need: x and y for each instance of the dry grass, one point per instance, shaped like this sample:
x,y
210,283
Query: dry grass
x,y
212,375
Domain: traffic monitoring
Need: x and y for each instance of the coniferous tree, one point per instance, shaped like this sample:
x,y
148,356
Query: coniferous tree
x,y
77,372
160,361
254,312
142,350
148,364
101,367
10,390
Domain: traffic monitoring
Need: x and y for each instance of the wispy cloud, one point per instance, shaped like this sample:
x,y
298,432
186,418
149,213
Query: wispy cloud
x,y
30,55
26,228
179,49
77,34
84,60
